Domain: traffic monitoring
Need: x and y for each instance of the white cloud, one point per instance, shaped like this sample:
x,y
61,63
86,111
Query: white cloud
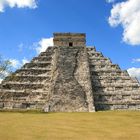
x,y
136,60
110,1
15,63
127,14
24,61
17,3
134,72
1,80
43,44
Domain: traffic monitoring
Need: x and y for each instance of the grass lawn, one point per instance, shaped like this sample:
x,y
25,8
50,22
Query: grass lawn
x,y
115,125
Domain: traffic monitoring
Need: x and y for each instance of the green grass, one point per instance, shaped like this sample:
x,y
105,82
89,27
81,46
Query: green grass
x,y
115,125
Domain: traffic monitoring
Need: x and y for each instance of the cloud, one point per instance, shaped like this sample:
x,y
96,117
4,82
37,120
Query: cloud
x,y
43,44
1,80
110,1
18,63
134,72
15,63
135,60
24,61
127,14
17,3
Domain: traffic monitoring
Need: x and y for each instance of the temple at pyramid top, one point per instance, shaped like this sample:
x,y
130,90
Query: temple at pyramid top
x,y
69,39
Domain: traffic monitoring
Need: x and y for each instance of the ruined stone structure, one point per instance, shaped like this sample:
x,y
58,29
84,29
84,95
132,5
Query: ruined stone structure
x,y
70,77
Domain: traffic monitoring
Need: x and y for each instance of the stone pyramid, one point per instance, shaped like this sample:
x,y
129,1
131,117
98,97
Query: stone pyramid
x,y
70,77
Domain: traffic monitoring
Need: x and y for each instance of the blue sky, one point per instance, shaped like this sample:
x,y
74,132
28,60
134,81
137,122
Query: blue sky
x,y
24,27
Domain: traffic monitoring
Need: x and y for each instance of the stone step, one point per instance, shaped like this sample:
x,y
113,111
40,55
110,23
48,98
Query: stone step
x,y
117,97
26,96
113,80
91,49
36,65
130,102
96,53
100,61
21,85
102,82
42,58
11,82
38,69
42,62
99,88
117,107
21,105
47,53
16,95
114,93
27,78
24,90
104,66
106,70
109,72
125,73
111,77
6,94
50,49
34,76
33,71
13,95
99,55
116,84
8,102
44,55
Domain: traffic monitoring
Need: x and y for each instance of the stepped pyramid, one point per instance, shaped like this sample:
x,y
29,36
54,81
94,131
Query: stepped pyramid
x,y
70,77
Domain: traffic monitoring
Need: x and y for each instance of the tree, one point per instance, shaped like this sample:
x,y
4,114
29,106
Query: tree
x,y
5,68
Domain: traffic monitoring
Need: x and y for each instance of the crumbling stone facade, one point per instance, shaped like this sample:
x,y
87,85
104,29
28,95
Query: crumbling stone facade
x,y
70,77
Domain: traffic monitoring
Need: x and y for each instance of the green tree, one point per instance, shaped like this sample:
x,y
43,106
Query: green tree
x,y
5,67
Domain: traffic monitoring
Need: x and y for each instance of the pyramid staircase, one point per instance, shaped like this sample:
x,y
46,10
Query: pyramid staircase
x,y
113,89
29,85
